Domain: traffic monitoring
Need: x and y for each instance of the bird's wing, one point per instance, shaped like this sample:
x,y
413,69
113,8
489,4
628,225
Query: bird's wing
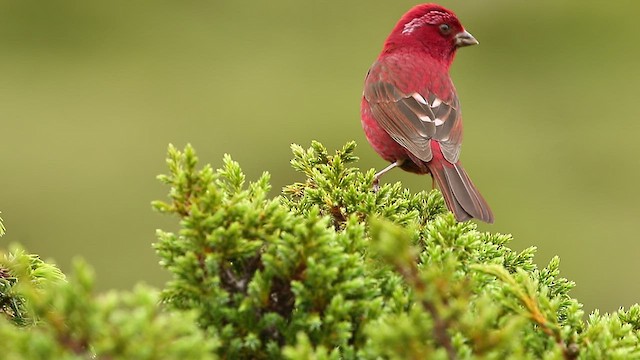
x,y
413,119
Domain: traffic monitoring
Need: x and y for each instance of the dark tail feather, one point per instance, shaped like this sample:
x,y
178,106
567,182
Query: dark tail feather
x,y
461,196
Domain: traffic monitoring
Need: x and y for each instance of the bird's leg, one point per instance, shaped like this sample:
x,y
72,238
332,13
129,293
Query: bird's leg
x,y
376,177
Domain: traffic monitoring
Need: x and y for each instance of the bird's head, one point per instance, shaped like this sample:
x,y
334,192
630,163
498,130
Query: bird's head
x,y
431,28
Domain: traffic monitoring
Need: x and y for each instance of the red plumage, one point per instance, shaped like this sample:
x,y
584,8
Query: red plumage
x,y
410,110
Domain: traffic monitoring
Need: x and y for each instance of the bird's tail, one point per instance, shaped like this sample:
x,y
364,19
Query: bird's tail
x,y
461,196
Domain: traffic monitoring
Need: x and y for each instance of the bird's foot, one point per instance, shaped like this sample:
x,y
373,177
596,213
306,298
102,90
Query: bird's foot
x,y
376,177
376,185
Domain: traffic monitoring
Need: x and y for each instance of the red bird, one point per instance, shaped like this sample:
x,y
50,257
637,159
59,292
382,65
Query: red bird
x,y
410,110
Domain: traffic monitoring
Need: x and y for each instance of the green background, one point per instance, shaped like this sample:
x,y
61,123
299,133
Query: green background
x,y
92,92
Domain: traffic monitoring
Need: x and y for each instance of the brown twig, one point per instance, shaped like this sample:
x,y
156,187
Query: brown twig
x,y
569,352
440,324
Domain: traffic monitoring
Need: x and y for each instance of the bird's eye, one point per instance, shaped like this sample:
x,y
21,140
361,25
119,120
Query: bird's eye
x,y
445,29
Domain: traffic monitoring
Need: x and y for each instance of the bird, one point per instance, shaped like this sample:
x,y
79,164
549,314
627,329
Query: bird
x,y
410,110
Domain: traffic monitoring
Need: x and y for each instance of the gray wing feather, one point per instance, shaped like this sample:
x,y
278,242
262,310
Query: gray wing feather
x,y
450,141
414,119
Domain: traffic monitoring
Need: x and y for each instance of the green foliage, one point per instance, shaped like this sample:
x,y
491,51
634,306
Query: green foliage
x,y
66,321
34,273
258,271
331,269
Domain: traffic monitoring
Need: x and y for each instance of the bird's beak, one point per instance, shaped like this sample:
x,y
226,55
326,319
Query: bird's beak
x,y
465,39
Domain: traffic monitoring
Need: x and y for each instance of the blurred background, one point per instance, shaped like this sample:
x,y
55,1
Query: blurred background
x,y
91,94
